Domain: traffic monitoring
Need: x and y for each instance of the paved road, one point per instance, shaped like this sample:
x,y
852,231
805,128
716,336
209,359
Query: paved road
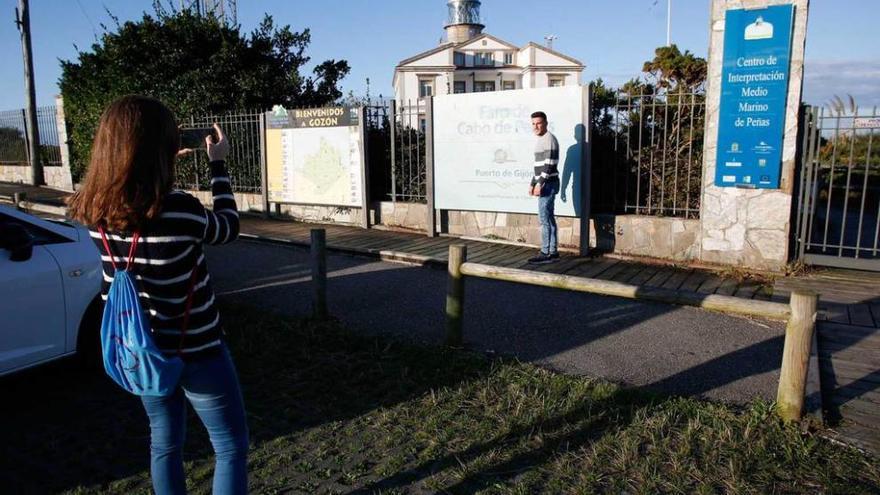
x,y
667,348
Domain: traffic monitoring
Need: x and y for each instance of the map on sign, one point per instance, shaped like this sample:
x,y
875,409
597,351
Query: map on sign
x,y
314,159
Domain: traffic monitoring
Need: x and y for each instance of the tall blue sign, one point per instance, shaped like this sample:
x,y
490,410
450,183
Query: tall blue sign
x,y
754,89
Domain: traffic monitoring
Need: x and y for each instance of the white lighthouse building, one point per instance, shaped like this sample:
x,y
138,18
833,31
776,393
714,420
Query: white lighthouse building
x,y
470,60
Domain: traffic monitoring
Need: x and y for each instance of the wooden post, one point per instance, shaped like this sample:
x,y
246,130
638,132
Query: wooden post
x,y
18,199
796,355
23,20
319,273
455,295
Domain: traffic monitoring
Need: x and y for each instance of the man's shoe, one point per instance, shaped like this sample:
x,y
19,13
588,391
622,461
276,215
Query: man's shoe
x,y
554,256
541,259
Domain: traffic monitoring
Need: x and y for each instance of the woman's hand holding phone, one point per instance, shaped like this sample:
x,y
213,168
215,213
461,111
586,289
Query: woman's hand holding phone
x,y
217,150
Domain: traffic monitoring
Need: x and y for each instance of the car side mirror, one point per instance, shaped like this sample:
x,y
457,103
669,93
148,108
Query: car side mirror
x,y
18,241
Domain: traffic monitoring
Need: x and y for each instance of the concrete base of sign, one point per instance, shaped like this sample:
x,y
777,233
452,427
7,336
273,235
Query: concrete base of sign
x,y
747,227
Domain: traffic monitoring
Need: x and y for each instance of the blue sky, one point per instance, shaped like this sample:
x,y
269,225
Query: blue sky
x,y
613,38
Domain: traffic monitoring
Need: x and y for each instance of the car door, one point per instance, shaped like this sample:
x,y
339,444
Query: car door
x,y
32,306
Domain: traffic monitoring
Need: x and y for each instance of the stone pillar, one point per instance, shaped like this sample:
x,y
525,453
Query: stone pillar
x,y
749,227
65,178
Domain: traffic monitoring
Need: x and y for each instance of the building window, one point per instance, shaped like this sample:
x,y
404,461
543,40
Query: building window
x,y
459,87
426,87
556,81
508,85
459,59
508,59
484,58
423,125
484,86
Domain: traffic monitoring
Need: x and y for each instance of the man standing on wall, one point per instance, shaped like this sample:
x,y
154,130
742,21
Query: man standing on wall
x,y
545,185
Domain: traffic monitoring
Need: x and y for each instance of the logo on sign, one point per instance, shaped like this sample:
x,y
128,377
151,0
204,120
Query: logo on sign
x,y
747,179
763,148
762,162
728,178
734,147
765,179
759,30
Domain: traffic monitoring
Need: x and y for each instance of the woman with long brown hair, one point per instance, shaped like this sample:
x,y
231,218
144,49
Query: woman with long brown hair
x,y
135,216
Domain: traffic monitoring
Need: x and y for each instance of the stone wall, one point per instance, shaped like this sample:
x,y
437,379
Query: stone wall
x,y
744,227
669,238
56,177
253,203
658,237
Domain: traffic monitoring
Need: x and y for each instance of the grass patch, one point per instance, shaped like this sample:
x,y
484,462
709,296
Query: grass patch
x,y
332,412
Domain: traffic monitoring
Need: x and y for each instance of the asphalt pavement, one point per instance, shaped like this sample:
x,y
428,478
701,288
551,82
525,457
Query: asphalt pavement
x,y
670,349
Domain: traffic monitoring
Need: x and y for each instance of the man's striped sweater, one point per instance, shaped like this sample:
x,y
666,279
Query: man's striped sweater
x,y
168,251
546,159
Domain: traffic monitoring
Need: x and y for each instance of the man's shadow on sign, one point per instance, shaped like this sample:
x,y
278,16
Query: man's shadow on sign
x,y
572,169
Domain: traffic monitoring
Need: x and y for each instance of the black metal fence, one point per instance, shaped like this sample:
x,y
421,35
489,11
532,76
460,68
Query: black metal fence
x,y
13,138
244,162
405,170
647,154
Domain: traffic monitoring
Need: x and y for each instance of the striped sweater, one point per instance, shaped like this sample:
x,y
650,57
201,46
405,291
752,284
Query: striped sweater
x,y
168,250
546,159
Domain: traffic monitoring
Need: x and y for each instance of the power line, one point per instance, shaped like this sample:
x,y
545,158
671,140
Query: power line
x,y
88,18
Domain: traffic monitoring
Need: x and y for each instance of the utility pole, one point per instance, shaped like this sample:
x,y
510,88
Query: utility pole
x,y
668,22
23,20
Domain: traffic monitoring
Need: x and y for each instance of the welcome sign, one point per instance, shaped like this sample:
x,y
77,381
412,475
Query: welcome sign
x,y
754,92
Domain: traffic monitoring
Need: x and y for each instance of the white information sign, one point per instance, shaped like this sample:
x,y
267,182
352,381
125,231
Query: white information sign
x,y
484,148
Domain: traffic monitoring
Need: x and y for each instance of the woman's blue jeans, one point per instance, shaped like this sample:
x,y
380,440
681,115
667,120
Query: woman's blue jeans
x,y
547,217
211,386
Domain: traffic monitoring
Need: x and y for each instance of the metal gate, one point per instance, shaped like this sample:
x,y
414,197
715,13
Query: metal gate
x,y
838,215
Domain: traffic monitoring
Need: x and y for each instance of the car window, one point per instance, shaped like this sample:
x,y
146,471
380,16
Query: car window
x,y
41,236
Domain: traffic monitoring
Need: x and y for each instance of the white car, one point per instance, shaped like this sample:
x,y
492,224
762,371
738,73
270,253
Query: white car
x,y
50,299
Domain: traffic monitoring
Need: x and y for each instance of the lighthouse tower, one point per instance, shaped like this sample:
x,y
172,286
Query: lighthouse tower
x,y
463,22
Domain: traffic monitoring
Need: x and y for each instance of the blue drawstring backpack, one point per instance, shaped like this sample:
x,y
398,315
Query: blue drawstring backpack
x,y
131,358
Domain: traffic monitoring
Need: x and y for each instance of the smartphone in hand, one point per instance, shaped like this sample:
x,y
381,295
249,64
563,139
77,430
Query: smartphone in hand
x,y
195,138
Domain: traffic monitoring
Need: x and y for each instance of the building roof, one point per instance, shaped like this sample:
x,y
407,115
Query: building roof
x,y
487,36
447,45
424,54
554,52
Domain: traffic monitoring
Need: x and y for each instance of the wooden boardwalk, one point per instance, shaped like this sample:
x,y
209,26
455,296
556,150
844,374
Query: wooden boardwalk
x,y
849,349
849,307
435,251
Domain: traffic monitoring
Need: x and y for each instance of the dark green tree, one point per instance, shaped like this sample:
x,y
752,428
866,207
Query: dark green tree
x,y
196,65
648,137
671,69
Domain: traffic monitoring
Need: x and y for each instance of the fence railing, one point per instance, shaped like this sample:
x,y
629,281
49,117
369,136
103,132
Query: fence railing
x,y
648,154
839,212
13,137
800,313
405,165
245,132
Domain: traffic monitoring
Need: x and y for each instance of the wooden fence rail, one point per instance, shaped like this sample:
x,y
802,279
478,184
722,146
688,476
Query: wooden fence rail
x,y
800,313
